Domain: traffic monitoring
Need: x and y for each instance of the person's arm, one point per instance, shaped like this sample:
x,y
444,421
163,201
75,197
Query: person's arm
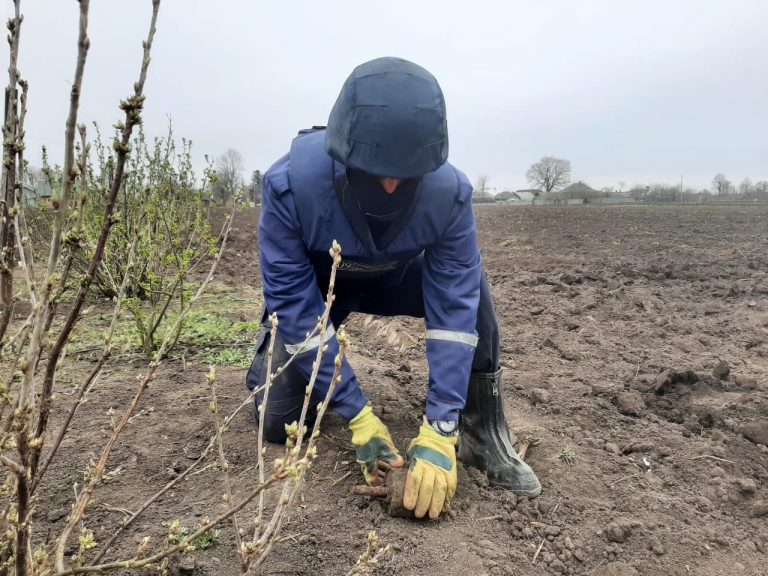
x,y
451,283
451,286
291,291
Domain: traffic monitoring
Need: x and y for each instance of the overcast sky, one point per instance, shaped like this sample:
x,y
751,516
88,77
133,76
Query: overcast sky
x,y
634,91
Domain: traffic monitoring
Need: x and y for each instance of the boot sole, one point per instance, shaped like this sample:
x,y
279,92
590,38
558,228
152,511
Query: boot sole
x,y
530,493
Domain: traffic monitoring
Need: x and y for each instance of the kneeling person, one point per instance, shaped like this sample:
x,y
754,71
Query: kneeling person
x,y
377,181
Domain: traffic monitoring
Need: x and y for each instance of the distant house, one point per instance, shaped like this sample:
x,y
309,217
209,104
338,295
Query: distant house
x,y
576,193
518,197
478,199
503,196
527,196
36,193
639,193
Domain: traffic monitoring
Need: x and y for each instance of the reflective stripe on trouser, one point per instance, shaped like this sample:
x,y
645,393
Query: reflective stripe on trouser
x,y
311,343
286,394
452,336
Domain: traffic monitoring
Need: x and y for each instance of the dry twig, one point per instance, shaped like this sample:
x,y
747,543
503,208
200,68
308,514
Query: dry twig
x,y
214,407
536,555
711,457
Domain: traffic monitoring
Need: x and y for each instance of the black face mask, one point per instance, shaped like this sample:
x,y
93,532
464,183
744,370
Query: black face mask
x,y
374,202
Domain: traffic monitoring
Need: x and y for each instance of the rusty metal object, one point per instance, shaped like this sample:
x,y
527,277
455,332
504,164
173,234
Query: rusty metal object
x,y
372,491
390,494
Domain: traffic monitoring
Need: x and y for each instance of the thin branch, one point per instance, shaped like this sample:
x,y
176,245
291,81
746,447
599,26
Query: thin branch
x,y
281,513
290,490
322,326
710,456
132,108
106,352
15,467
21,335
211,443
372,556
279,474
98,469
222,456
27,394
10,225
262,413
9,176
19,222
536,555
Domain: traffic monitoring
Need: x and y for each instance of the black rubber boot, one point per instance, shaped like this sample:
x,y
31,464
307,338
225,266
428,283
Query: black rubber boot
x,y
485,443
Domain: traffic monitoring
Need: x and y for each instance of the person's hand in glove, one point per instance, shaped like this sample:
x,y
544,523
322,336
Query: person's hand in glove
x,y
431,480
375,449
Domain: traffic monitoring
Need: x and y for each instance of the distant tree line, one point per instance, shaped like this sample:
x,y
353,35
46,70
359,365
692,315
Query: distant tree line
x,y
551,175
721,186
722,190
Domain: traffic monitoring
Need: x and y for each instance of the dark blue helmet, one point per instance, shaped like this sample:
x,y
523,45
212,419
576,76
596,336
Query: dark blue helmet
x,y
389,120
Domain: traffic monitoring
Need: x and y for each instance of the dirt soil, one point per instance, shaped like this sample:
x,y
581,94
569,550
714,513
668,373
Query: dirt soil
x,y
635,339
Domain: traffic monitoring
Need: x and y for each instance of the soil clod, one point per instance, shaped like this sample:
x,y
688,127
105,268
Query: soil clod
x,y
756,432
759,509
668,379
721,370
615,569
630,403
618,531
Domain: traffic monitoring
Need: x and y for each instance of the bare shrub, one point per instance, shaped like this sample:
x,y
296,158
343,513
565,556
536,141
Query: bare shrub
x,y
33,349
163,230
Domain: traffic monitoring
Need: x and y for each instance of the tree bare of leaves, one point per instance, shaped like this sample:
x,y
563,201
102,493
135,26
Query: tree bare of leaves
x,y
229,176
721,185
746,188
481,186
549,174
254,189
761,189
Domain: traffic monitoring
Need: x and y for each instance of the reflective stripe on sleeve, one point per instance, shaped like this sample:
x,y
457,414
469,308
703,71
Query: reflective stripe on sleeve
x,y
450,336
310,344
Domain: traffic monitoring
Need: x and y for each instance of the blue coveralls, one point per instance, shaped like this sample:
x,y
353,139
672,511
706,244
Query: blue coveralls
x,y
430,269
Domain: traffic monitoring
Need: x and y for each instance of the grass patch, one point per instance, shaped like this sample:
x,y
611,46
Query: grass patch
x,y
204,542
239,357
203,328
567,456
224,322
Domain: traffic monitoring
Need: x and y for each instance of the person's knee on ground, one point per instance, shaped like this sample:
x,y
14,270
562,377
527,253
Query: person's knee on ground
x,y
286,393
281,413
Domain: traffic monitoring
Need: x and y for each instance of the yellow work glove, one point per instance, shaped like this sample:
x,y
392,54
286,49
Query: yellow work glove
x,y
431,480
375,448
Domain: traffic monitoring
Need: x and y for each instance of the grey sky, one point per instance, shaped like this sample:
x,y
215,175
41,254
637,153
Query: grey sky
x,y
641,91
